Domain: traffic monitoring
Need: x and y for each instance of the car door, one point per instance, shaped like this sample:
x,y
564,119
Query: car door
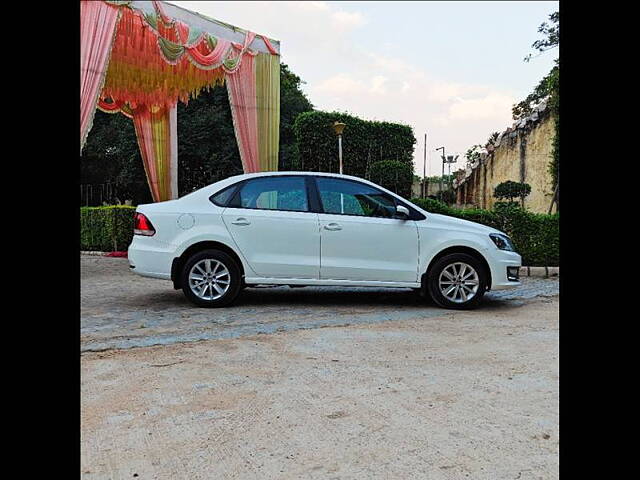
x,y
270,220
360,238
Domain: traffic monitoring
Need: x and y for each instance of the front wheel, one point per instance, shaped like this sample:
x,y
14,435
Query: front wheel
x,y
211,278
457,281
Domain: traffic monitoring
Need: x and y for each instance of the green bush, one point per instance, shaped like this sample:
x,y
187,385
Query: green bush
x,y
536,236
364,143
106,229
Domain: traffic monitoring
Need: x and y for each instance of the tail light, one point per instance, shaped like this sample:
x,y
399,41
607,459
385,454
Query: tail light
x,y
142,225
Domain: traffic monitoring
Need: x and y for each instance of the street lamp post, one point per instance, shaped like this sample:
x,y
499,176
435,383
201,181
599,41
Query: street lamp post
x,y
424,171
442,178
338,127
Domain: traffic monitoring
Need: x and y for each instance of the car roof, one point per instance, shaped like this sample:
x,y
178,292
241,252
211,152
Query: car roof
x,y
280,173
218,186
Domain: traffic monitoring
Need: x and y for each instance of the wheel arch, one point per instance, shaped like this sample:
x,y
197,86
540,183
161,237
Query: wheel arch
x,y
178,262
458,249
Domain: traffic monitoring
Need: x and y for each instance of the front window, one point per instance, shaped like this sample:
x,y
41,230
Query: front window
x,y
274,193
345,197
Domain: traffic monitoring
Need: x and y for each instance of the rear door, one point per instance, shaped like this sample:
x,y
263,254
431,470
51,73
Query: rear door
x,y
360,237
271,221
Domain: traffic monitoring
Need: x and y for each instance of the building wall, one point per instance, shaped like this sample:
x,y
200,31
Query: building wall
x,y
432,188
523,155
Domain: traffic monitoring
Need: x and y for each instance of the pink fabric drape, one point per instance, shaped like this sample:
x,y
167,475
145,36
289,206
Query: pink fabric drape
x,y
98,22
215,57
241,87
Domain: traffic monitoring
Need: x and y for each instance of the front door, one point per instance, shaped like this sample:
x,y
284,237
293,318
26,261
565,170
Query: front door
x,y
270,221
360,238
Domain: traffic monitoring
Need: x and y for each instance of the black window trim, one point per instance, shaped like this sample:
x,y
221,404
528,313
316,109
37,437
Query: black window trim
x,y
414,214
234,200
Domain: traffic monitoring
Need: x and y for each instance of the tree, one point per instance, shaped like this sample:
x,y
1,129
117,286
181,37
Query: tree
x,y
548,86
551,34
510,190
473,154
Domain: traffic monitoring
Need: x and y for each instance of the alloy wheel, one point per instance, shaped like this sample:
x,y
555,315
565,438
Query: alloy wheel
x,y
458,282
209,279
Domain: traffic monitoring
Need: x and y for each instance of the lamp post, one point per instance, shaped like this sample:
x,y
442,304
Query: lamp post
x,y
338,127
424,171
442,177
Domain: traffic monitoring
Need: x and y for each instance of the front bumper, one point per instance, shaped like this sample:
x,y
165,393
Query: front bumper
x,y
503,264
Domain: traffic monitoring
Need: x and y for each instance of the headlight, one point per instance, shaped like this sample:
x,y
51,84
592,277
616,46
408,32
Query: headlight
x,y
502,242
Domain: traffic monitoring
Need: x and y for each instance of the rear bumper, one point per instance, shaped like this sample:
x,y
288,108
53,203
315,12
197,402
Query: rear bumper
x,y
150,258
499,263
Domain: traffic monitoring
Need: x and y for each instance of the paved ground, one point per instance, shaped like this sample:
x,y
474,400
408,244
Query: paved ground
x,y
120,309
315,384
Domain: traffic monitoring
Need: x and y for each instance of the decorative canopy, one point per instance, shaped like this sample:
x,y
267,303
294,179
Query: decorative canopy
x,y
141,57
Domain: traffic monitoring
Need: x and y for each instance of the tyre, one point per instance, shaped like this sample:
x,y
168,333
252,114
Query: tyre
x,y
457,281
211,278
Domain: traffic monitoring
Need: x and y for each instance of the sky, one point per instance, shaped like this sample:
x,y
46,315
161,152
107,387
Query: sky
x,y
451,70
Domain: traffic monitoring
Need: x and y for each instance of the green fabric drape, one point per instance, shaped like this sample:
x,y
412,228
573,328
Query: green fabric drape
x,y
171,51
268,107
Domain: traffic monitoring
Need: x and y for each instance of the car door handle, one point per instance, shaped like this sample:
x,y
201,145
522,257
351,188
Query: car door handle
x,y
333,227
241,221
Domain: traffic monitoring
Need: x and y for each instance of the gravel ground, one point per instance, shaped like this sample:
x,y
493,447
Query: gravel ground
x,y
315,384
120,309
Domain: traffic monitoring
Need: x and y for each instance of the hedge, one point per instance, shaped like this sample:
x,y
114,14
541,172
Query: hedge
x,y
364,143
106,229
394,176
536,236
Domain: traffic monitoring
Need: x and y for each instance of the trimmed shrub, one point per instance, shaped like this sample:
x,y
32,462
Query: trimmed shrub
x,y
106,229
510,190
536,236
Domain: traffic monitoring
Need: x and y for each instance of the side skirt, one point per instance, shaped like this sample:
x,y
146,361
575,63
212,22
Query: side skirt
x,y
327,283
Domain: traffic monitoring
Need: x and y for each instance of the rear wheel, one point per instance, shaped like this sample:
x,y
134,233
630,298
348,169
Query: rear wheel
x,y
457,281
211,278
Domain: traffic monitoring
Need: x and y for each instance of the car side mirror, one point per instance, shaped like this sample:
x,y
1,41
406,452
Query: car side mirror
x,y
402,212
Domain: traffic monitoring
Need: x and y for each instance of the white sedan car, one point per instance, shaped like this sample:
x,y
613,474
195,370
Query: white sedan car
x,y
307,228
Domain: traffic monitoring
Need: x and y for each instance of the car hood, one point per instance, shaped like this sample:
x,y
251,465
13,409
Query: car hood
x,y
452,223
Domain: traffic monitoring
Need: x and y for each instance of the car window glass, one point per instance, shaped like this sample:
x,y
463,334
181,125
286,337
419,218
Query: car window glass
x,y
275,193
221,198
352,198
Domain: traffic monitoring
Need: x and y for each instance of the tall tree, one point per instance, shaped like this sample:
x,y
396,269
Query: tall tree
x,y
549,85
551,35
